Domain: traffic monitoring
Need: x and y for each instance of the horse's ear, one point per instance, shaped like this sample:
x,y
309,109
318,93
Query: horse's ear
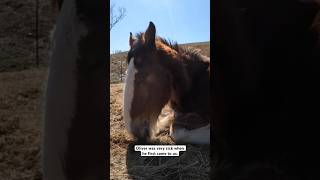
x,y
150,35
131,39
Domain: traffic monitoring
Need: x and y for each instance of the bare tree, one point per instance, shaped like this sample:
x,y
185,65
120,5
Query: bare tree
x,y
115,18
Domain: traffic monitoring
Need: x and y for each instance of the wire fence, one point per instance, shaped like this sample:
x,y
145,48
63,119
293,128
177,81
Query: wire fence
x,y
24,34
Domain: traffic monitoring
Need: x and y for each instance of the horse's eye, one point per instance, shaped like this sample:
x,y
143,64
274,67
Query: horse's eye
x,y
138,61
129,57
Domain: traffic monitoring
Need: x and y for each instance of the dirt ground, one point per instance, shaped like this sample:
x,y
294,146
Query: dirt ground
x,y
21,114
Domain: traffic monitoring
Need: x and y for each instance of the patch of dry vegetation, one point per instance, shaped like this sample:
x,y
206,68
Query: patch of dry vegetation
x,y
192,164
20,124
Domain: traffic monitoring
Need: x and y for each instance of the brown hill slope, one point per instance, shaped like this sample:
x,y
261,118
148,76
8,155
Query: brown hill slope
x,y
18,32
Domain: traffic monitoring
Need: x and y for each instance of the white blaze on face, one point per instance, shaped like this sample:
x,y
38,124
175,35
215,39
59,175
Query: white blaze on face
x,y
128,94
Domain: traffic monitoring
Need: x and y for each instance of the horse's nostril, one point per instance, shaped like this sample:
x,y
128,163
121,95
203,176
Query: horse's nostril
x,y
146,132
141,132
142,135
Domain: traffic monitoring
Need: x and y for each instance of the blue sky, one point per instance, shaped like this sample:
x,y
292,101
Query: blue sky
x,y
184,21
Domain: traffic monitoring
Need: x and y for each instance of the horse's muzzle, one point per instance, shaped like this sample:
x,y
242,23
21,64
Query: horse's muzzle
x,y
141,131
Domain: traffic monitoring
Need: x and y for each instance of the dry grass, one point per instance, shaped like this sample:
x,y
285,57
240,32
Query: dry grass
x,y
20,124
125,163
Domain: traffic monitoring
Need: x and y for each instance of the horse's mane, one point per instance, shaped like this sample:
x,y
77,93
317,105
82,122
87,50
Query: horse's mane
x,y
165,45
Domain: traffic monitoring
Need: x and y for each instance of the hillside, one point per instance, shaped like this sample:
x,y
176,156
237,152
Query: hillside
x,y
119,59
18,34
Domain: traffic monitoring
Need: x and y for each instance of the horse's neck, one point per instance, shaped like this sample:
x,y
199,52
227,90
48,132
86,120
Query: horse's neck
x,y
76,99
197,91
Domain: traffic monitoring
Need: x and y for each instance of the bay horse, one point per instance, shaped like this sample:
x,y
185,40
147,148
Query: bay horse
x,y
159,73
75,127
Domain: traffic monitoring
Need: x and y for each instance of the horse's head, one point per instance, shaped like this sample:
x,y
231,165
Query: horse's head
x,y
148,84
